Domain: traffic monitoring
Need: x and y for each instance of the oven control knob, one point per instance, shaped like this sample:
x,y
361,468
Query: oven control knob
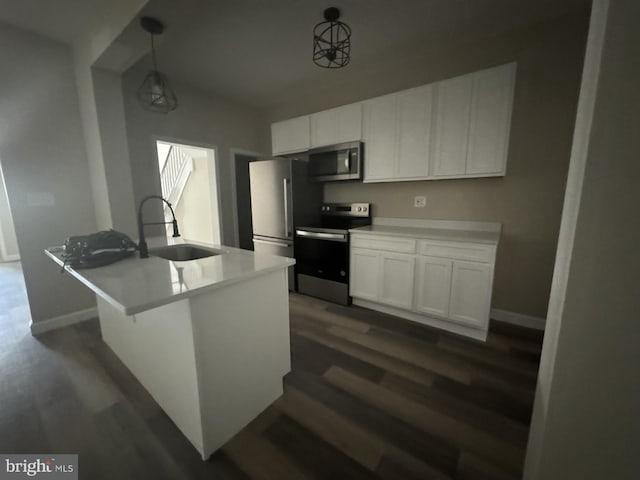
x,y
364,209
343,273
359,209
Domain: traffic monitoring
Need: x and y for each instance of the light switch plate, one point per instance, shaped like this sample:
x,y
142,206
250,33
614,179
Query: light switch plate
x,y
420,202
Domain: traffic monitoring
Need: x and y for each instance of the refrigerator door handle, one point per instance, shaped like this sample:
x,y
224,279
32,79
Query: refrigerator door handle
x,y
271,242
285,184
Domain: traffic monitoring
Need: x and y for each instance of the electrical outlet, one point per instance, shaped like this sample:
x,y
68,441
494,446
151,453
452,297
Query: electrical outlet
x,y
419,202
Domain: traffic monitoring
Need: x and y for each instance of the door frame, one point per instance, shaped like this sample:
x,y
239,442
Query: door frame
x,y
214,163
233,152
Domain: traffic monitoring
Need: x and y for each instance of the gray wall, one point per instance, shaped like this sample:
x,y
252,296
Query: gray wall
x,y
201,120
528,200
42,150
586,419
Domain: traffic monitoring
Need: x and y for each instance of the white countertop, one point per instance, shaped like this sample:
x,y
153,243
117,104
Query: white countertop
x,y
445,230
134,285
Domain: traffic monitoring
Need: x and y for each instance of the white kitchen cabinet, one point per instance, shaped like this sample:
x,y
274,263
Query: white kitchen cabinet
x,y
379,132
397,135
445,283
365,268
396,279
490,122
290,136
455,128
337,125
453,106
433,285
414,132
471,293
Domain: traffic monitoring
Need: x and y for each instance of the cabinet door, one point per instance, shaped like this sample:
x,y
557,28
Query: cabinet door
x,y
396,280
491,105
364,274
471,293
453,105
433,286
290,136
338,125
414,132
380,136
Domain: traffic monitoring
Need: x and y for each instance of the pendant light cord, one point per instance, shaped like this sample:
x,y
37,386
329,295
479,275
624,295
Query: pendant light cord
x,y
153,54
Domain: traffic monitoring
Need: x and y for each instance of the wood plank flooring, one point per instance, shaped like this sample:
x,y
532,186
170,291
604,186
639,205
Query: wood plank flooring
x,y
370,396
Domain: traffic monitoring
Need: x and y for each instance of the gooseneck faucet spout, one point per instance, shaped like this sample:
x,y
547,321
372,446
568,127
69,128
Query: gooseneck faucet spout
x,y
142,244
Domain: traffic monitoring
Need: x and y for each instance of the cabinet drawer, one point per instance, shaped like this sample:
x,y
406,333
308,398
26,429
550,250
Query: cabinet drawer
x,y
457,250
390,244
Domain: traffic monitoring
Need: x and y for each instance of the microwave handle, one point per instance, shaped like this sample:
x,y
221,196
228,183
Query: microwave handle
x,y
347,160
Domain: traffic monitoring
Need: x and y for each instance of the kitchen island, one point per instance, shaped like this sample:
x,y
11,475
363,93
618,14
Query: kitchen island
x,y
208,338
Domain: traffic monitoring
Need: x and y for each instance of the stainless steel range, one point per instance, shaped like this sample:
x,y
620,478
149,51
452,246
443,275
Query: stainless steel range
x,y
322,251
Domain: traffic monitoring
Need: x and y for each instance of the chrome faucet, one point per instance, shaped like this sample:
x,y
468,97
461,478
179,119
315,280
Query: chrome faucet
x,y
142,244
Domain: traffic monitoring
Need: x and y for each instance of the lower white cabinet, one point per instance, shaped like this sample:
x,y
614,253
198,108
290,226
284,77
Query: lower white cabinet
x,y
382,277
470,293
433,285
365,270
444,286
396,279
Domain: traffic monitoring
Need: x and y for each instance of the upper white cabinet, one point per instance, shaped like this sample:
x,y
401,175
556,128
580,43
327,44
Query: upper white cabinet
x,y
414,132
453,106
490,120
455,128
338,125
290,136
397,135
379,133
472,123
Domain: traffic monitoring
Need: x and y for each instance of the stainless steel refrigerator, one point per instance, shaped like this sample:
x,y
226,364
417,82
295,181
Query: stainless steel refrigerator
x,y
281,198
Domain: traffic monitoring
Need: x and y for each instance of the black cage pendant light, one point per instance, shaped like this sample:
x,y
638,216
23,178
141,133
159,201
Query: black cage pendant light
x,y
331,41
155,93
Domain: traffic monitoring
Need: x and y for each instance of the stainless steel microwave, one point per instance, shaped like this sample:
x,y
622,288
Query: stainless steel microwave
x,y
336,162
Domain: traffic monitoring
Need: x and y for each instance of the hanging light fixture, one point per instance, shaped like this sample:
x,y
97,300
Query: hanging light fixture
x,y
155,94
331,41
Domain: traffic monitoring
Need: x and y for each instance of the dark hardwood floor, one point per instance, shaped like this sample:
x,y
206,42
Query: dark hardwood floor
x,y
370,396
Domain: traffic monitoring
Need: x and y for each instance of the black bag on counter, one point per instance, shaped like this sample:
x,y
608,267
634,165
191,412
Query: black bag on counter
x,y
97,249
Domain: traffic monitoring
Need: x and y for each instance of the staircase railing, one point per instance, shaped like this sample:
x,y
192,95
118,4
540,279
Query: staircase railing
x,y
175,173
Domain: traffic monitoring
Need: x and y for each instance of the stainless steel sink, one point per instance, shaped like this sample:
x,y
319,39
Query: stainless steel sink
x,y
184,253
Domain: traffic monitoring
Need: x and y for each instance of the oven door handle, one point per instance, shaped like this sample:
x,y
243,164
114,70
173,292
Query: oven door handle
x,y
335,237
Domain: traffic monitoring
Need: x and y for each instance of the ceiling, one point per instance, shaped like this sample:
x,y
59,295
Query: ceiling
x,y
61,20
252,51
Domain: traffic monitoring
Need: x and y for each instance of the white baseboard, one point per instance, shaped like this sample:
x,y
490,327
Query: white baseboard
x,y
520,319
63,320
475,333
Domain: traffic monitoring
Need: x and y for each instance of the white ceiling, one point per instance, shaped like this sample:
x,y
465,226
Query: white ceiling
x,y
254,50
61,20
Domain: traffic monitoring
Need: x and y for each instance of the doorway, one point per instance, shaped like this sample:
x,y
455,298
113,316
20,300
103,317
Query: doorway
x,y
189,181
244,226
8,240
14,305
